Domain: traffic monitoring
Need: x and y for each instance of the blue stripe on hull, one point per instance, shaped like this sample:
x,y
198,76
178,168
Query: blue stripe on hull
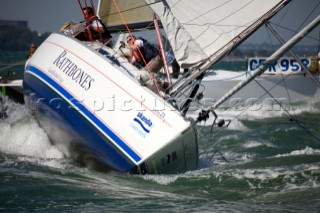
x,y
69,121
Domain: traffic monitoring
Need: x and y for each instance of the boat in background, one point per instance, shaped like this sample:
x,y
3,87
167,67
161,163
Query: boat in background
x,y
11,81
86,98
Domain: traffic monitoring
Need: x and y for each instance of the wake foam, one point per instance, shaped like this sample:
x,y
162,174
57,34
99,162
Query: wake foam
x,y
20,134
306,151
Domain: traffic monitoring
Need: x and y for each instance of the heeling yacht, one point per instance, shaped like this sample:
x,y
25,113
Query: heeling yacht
x,y
86,97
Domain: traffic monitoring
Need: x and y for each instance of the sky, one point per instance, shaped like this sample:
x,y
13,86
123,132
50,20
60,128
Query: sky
x,y
50,15
43,15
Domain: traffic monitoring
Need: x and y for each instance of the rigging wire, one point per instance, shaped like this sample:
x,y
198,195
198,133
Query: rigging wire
x,y
283,79
303,23
309,16
294,31
289,114
285,14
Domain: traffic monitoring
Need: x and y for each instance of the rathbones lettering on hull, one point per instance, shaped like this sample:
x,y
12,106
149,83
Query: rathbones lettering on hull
x,y
73,71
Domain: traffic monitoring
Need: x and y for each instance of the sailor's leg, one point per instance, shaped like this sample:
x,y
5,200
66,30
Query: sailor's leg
x,y
155,64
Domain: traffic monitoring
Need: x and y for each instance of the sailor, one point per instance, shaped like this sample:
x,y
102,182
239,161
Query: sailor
x,y
143,52
144,55
32,49
98,29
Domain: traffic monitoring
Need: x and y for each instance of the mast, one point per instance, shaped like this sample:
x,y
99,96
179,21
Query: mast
x,y
274,57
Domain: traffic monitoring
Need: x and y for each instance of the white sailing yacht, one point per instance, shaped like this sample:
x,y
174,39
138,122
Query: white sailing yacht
x,y
85,97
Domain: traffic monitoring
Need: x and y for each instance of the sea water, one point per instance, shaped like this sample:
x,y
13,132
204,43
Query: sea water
x,y
258,164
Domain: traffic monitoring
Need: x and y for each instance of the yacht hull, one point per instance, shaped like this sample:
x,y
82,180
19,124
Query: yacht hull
x,y
92,109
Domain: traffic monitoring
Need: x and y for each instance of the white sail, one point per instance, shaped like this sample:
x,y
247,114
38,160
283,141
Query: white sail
x,y
201,31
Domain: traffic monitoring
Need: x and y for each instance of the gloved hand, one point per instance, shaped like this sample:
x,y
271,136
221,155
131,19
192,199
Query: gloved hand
x,y
122,44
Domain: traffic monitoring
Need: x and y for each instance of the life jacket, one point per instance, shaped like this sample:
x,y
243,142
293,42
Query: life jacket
x,y
96,35
148,51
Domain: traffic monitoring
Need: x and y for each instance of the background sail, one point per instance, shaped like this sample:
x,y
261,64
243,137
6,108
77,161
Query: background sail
x,y
201,31
135,12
